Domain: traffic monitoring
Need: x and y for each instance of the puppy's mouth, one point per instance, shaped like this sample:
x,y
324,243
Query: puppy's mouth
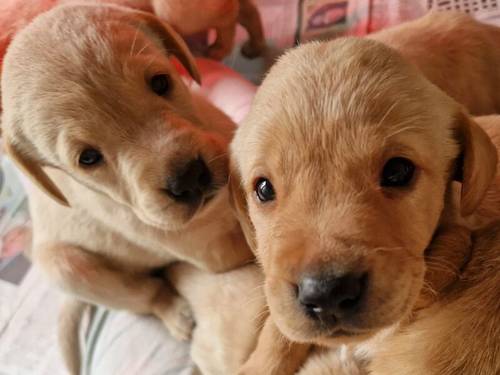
x,y
359,321
342,333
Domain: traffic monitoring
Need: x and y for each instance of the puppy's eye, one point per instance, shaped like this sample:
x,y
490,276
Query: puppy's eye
x,y
90,157
397,172
160,84
264,190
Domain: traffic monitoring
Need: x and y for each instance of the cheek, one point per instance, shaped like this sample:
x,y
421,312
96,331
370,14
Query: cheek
x,y
415,217
138,184
428,207
268,242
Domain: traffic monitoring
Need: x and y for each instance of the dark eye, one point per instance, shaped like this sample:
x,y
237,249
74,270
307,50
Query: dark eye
x,y
397,172
89,157
160,84
264,190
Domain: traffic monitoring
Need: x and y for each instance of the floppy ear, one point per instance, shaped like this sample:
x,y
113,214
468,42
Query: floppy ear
x,y
34,171
30,167
172,42
477,164
240,207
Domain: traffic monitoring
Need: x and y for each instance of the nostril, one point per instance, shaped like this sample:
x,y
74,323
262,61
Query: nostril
x,y
331,297
349,291
312,294
190,182
205,177
348,303
313,311
181,196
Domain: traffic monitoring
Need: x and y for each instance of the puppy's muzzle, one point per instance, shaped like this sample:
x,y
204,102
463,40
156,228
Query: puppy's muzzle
x,y
329,299
190,182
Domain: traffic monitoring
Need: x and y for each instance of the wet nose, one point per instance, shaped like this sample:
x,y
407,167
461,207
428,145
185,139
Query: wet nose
x,y
331,298
190,182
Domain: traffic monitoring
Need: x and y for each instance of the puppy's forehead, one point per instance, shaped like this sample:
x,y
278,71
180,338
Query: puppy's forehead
x,y
346,97
78,64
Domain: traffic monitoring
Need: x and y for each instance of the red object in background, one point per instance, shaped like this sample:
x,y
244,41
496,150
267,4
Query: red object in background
x,y
15,14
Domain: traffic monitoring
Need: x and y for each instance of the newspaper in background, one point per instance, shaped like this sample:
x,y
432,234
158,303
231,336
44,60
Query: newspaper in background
x,y
322,19
487,11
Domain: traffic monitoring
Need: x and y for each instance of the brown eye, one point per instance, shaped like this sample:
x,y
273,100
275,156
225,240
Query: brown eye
x,y
264,190
397,172
160,84
90,157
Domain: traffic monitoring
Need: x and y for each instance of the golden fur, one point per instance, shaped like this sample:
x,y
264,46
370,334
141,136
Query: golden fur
x,y
323,124
77,77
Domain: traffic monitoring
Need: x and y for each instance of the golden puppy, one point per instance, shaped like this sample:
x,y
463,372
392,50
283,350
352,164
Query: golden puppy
x,y
193,16
131,167
456,53
457,335
352,173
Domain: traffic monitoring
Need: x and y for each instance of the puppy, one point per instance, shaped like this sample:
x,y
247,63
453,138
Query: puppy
x,y
447,338
351,189
131,168
456,53
194,16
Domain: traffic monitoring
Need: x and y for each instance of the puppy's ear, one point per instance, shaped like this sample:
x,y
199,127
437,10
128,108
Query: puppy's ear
x,y
239,204
172,42
34,171
477,164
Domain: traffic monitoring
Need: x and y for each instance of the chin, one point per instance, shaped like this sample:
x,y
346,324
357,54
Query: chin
x,y
351,330
344,337
165,222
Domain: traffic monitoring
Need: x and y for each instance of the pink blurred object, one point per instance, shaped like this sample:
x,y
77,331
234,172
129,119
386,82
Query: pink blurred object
x,y
222,86
15,14
225,88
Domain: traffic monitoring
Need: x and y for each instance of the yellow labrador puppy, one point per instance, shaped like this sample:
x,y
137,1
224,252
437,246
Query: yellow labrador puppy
x,y
356,179
131,167
195,16
191,17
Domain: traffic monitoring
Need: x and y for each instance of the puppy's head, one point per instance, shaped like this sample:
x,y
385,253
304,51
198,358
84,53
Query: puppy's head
x,y
92,91
342,170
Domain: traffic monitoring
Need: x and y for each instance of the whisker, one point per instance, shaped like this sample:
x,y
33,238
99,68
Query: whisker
x,y
433,261
217,157
132,46
146,45
428,288
402,130
389,110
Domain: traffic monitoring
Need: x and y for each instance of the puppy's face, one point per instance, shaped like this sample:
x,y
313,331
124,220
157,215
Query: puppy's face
x,y
94,93
345,161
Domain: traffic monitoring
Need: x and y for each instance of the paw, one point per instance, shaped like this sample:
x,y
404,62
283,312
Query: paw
x,y
218,51
252,50
250,368
246,370
178,318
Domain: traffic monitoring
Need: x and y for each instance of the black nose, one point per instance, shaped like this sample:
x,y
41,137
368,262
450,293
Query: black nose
x,y
190,182
331,298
